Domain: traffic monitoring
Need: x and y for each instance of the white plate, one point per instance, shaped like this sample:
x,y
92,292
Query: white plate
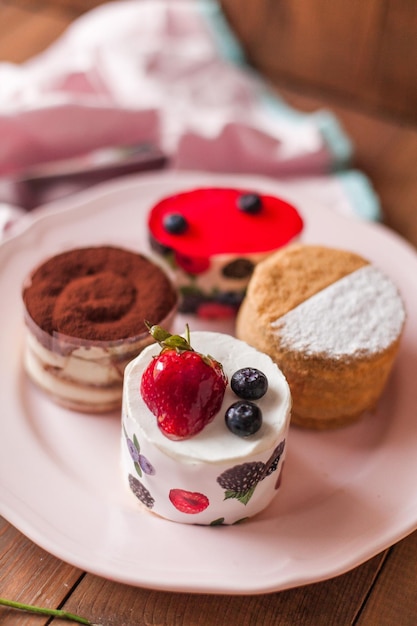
x,y
346,495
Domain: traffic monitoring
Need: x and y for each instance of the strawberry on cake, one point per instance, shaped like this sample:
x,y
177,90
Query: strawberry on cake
x,y
205,422
214,237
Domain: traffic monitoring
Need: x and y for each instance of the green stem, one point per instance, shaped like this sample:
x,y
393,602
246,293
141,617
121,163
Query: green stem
x,y
43,611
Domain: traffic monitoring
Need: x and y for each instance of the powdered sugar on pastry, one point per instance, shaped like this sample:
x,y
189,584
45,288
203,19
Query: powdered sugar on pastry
x,y
361,313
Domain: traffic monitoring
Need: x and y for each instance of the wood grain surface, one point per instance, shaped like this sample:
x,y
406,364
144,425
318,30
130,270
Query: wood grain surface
x,y
362,52
357,59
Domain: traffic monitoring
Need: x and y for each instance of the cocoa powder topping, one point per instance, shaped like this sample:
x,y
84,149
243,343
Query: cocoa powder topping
x,y
98,293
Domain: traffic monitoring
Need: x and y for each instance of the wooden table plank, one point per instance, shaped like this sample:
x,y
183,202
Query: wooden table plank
x,y
23,33
363,52
29,574
331,602
368,595
386,151
394,598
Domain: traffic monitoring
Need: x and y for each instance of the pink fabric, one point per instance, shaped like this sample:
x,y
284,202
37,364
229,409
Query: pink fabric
x,y
145,70
151,71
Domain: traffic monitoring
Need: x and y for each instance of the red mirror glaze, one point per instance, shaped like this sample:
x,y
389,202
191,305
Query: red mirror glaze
x,y
216,225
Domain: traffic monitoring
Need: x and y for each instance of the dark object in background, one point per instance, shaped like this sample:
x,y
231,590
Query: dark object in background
x,y
58,179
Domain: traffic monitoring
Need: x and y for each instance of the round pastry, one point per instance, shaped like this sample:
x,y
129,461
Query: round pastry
x,y
213,237
218,463
85,312
332,321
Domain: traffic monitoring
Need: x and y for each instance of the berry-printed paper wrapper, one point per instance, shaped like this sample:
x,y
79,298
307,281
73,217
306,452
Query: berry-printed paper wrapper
x,y
215,477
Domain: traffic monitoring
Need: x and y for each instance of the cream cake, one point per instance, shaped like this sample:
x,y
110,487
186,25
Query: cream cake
x,y
214,237
84,312
332,321
223,473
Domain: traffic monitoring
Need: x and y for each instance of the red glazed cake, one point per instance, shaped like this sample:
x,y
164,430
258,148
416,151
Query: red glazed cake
x,y
214,237
85,312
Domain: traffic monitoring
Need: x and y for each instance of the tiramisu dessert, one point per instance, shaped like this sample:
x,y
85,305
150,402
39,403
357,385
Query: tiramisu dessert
x,y
213,238
85,312
205,424
332,321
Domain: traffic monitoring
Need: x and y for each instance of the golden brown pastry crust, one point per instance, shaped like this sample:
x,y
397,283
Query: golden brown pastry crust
x,y
327,391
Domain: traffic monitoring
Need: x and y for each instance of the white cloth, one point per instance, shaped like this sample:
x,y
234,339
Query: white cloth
x,y
171,73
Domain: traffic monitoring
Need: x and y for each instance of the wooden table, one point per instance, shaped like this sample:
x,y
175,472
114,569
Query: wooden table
x,y
382,591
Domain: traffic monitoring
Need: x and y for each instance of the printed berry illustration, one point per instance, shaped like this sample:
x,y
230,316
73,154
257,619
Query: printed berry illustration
x,y
181,387
212,304
190,502
146,466
141,463
272,463
192,265
240,481
141,492
215,310
133,450
220,521
279,477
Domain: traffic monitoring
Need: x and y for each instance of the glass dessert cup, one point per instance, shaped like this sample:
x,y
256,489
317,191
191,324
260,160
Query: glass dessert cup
x,y
80,374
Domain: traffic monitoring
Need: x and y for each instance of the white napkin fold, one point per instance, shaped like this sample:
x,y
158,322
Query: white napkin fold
x,y
169,73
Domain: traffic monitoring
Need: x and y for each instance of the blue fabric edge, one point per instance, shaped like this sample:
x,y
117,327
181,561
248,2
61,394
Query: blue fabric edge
x,y
357,186
230,49
363,196
227,42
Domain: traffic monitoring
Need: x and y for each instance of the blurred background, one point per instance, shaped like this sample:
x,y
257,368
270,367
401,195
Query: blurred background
x,y
356,58
361,52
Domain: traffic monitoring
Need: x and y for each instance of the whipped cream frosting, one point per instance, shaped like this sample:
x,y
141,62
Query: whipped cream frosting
x,y
195,465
